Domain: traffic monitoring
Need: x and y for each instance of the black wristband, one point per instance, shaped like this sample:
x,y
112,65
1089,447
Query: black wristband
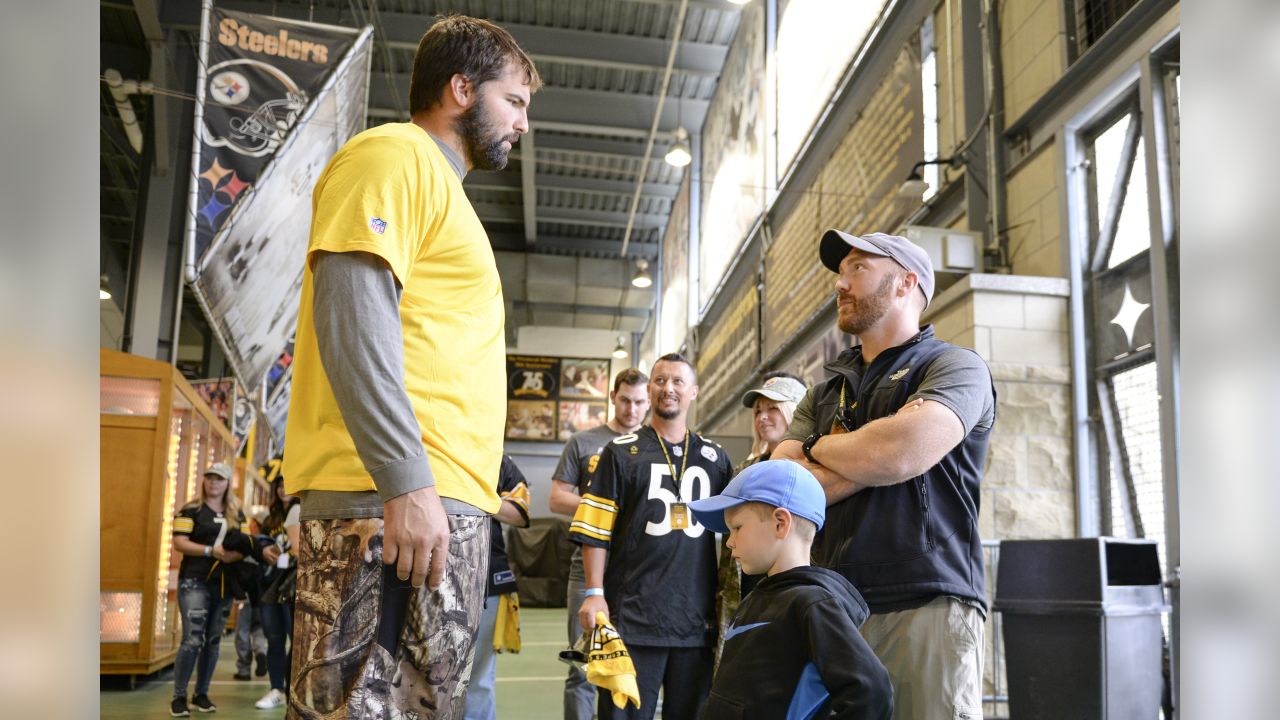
x,y
809,442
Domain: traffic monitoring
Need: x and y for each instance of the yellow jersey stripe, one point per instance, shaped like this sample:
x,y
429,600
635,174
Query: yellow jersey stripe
x,y
183,525
595,502
591,517
594,533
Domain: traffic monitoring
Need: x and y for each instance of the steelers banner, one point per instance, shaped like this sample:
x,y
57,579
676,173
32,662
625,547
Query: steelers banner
x,y
280,98
260,74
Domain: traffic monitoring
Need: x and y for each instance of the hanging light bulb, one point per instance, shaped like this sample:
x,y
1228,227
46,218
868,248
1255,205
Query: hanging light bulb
x,y
679,154
620,352
642,279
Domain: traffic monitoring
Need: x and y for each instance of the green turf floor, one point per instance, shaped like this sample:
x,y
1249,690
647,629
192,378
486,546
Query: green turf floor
x,y
530,684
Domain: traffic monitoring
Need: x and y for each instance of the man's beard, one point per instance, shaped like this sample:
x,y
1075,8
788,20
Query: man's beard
x,y
667,414
869,310
481,139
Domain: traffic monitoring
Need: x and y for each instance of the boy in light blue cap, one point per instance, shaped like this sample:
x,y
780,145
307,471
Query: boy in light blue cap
x,y
793,649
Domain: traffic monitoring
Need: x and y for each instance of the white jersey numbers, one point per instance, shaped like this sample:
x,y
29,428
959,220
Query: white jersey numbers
x,y
694,485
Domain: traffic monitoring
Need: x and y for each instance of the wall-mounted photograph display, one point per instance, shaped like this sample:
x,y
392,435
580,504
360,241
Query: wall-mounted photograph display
x,y
584,378
531,420
578,416
551,398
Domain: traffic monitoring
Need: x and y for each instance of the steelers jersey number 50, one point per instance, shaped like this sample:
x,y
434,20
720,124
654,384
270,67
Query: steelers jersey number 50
x,y
693,485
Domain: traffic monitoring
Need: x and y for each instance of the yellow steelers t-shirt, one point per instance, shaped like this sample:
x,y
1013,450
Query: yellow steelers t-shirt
x,y
391,192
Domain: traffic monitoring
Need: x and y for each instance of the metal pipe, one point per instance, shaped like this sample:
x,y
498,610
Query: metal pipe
x,y
995,165
653,127
951,74
193,186
121,89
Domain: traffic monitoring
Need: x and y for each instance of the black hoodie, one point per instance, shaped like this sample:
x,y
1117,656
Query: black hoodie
x,y
794,651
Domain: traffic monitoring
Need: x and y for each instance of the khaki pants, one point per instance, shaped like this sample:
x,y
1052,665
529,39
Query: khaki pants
x,y
934,657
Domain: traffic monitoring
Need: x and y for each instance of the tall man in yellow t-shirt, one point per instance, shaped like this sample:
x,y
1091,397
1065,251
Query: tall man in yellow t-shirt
x,y
395,425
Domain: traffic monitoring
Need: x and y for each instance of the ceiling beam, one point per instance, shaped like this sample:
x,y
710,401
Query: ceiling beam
x,y
585,309
561,104
406,29
570,183
558,245
560,141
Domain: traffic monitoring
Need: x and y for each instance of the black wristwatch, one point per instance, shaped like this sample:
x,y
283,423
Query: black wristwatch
x,y
808,447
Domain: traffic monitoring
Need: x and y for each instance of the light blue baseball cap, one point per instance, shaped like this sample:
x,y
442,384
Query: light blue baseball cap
x,y
780,483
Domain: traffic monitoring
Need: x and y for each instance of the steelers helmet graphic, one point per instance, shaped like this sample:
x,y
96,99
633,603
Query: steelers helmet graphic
x,y
255,106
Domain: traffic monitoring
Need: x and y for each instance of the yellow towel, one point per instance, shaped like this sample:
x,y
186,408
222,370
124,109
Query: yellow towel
x,y
609,664
506,631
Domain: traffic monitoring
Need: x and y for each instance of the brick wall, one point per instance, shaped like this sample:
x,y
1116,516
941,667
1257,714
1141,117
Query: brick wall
x,y
1034,216
1033,51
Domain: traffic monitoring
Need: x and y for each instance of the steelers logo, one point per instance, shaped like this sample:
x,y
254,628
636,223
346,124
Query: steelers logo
x,y
229,88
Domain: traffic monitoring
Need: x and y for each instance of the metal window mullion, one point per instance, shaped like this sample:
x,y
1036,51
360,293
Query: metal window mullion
x,y
1162,207
1119,452
1076,212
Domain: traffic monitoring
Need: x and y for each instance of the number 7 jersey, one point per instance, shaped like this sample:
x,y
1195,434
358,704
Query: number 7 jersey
x,y
660,579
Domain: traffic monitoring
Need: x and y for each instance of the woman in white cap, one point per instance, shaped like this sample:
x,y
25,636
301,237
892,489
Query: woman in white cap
x,y
204,598
773,404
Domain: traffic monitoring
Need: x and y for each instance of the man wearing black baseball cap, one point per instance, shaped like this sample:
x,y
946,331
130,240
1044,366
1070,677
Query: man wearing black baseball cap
x,y
898,438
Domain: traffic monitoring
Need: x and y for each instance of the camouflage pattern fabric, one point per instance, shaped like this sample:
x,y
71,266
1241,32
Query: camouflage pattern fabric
x,y
369,646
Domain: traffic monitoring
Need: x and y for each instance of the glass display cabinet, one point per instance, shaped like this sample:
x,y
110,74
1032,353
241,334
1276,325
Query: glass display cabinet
x,y
156,436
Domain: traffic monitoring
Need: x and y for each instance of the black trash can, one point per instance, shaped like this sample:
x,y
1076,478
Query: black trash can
x,y
1082,633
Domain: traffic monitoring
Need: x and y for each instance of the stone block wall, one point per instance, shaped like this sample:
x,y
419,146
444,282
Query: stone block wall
x,y
1018,324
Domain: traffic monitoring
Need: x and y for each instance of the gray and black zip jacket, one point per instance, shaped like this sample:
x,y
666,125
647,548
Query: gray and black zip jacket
x,y
794,651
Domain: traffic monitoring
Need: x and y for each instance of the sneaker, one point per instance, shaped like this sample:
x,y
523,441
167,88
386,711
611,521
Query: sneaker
x,y
241,675
262,665
273,699
203,703
178,708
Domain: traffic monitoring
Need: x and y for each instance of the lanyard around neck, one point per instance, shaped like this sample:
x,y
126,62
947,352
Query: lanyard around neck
x,y
684,460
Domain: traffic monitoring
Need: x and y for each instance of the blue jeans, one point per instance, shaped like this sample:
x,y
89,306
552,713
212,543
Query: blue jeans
x,y
277,623
203,616
249,638
579,695
482,703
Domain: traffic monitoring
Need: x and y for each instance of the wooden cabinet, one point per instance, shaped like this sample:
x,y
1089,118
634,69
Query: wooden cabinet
x,y
157,436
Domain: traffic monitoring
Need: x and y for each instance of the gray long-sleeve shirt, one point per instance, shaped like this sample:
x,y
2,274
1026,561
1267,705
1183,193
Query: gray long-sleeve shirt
x,y
356,306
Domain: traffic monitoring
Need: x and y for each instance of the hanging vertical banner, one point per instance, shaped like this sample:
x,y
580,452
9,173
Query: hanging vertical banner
x,y
278,99
260,74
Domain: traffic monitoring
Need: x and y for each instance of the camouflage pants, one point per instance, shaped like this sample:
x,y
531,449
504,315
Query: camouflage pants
x,y
366,644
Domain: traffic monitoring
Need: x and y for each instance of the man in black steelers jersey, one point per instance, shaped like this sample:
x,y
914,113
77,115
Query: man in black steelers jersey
x,y
658,583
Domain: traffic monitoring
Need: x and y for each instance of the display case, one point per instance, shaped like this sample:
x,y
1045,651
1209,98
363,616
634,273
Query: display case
x,y
156,436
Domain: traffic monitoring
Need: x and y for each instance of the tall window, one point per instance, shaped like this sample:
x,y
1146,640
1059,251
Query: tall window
x,y
929,92
1121,292
1123,355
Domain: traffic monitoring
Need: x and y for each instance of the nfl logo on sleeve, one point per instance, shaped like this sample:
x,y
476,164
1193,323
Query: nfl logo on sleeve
x,y
378,225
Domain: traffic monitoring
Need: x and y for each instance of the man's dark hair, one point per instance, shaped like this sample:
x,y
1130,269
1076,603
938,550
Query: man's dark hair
x,y
474,48
630,376
677,357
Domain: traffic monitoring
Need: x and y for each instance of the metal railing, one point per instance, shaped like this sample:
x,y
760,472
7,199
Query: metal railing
x,y
995,703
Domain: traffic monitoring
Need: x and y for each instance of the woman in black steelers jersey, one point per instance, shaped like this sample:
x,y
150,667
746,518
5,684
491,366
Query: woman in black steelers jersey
x,y
204,593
